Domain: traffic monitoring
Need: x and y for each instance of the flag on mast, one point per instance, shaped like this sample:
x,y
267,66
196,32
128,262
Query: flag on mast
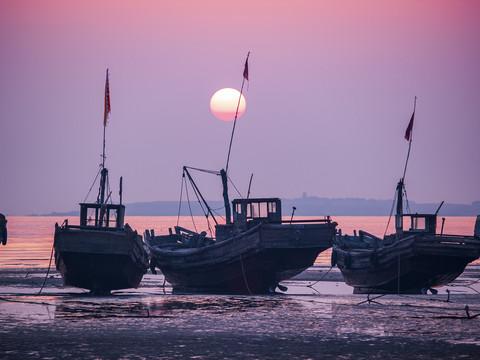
x,y
408,132
107,101
245,70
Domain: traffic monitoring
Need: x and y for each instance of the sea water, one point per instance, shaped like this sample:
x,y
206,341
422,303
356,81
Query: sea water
x,y
30,238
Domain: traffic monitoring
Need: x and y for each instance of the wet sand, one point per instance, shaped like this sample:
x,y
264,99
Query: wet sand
x,y
318,317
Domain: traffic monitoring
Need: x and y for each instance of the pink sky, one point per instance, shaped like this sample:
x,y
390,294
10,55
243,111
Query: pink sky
x,y
331,92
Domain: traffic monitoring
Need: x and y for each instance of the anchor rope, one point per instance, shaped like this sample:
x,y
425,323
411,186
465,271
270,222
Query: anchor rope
x,y
48,271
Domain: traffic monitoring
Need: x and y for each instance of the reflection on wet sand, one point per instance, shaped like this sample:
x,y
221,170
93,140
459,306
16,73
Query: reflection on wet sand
x,y
313,319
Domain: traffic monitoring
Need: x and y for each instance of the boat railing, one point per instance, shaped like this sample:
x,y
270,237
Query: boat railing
x,y
90,227
445,238
326,220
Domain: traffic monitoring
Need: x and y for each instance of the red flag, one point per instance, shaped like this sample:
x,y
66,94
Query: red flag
x,y
408,132
107,101
245,71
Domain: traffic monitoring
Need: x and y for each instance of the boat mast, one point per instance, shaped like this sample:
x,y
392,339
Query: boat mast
x,y
401,183
244,77
223,173
104,172
408,136
226,201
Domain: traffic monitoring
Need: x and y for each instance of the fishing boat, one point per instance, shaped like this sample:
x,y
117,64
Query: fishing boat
x,y
101,253
409,261
250,255
412,260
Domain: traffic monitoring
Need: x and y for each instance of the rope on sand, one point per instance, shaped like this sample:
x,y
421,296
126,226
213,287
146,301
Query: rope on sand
x,y
323,277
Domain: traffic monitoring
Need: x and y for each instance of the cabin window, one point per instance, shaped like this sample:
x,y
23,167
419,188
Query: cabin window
x,y
398,222
418,223
255,210
107,218
263,212
238,208
272,207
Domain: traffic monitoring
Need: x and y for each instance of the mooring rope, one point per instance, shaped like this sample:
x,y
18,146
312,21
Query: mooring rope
x,y
244,276
48,271
323,277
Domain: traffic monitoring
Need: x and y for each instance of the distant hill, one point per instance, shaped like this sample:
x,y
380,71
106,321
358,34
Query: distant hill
x,y
305,206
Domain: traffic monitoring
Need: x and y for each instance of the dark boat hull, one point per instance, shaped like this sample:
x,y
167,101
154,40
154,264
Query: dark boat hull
x,y
411,265
251,263
100,260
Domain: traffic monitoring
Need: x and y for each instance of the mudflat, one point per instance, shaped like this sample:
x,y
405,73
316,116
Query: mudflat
x,y
318,317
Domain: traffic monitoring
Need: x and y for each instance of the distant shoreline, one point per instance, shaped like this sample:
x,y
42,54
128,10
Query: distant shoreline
x,y
305,206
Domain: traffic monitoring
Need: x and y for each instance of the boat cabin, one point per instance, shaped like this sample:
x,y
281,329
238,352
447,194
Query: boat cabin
x,y
102,215
256,211
248,213
419,223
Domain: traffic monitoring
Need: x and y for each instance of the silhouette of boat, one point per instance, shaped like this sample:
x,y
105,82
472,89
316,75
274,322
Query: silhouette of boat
x,y
102,253
250,255
409,261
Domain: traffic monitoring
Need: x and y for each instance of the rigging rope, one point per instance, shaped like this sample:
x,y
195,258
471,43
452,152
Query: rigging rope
x,y
94,181
231,182
181,197
203,170
191,214
391,212
407,206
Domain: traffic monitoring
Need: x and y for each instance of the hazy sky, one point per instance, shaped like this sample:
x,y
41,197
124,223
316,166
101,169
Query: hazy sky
x,y
331,92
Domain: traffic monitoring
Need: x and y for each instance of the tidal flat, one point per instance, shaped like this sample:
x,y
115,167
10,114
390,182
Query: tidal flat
x,y
318,317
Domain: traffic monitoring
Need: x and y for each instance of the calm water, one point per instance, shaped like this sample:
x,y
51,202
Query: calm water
x,y
30,239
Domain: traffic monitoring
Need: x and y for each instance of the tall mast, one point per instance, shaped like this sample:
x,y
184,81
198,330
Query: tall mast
x,y
104,172
245,77
408,136
223,173
226,201
401,183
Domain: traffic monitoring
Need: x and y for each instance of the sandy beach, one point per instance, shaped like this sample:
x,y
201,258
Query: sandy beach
x,y
318,317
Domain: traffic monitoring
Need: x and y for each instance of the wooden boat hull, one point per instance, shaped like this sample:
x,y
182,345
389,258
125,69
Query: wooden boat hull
x,y
251,263
411,265
100,260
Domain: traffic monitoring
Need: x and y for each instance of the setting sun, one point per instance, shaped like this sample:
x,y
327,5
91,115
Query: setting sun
x,y
224,102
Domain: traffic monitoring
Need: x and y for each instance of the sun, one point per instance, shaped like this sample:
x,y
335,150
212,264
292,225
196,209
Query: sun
x,y
224,102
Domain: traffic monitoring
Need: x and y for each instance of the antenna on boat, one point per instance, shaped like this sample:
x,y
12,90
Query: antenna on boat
x,y
121,189
439,207
249,186
245,77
